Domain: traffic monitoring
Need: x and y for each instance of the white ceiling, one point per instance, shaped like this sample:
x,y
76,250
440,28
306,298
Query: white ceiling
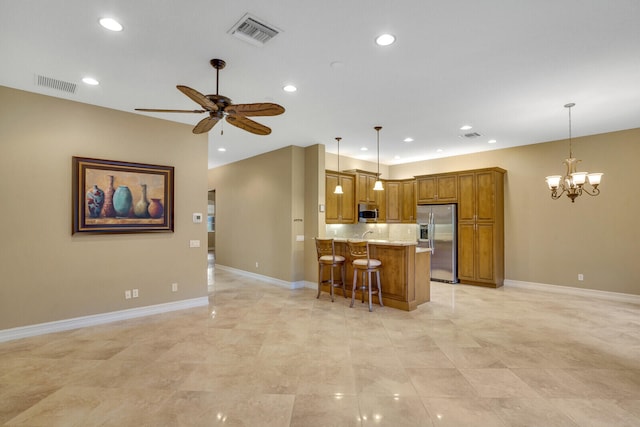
x,y
506,67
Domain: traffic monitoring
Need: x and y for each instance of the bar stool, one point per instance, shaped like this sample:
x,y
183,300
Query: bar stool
x,y
362,263
327,258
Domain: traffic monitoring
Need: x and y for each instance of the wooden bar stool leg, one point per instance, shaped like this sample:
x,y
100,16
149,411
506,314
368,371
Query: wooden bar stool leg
x,y
320,269
343,271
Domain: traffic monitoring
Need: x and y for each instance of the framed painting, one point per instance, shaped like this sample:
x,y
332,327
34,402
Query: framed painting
x,y
120,197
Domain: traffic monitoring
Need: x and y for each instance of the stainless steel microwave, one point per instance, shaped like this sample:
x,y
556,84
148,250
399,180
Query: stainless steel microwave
x,y
367,213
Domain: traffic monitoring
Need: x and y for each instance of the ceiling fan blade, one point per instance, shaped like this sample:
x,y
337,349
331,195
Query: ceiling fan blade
x,y
248,125
206,124
196,96
257,109
154,110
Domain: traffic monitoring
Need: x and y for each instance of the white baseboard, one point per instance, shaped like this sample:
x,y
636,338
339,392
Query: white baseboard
x,y
592,293
273,281
98,319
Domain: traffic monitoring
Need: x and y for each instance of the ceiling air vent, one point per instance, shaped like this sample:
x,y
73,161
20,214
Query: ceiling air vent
x,y
470,135
56,84
252,30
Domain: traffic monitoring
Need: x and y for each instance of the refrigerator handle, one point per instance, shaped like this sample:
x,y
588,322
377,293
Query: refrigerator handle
x,y
432,230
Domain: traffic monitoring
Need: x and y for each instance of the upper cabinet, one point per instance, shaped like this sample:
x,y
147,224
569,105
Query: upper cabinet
x,y
441,188
401,201
366,194
340,208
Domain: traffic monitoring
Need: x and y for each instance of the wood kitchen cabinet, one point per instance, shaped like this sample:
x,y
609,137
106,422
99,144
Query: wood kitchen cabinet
x,y
437,188
365,193
409,203
481,227
340,208
401,201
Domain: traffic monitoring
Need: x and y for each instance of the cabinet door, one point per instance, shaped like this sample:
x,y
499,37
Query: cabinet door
x,y
347,204
340,208
427,189
447,188
381,201
393,201
331,199
466,197
486,196
485,252
466,251
408,197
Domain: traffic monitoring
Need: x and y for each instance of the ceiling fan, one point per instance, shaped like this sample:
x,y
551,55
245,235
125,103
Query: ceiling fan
x,y
218,106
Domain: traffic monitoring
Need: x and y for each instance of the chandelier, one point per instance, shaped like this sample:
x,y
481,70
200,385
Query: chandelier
x,y
573,183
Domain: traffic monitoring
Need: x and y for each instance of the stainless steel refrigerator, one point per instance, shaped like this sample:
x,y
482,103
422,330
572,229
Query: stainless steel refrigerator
x,y
437,230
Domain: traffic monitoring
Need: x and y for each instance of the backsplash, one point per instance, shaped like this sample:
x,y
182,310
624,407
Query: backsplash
x,y
396,232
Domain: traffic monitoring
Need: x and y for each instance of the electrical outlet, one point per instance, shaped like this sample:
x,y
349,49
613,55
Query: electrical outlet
x,y
135,293
580,277
174,287
127,294
257,265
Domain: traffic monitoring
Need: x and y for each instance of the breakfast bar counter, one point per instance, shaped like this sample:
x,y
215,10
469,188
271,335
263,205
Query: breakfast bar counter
x,y
404,276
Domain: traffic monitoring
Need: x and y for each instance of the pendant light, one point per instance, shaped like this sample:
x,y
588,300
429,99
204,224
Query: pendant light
x,y
573,183
378,185
338,189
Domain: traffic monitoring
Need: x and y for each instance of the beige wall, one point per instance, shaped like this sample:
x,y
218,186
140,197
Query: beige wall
x,y
257,203
546,241
46,274
549,241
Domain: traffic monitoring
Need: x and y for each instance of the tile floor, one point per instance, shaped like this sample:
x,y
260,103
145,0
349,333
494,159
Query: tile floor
x,y
261,355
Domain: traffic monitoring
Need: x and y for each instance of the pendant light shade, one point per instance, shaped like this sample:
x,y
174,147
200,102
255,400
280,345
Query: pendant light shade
x,y
338,189
378,185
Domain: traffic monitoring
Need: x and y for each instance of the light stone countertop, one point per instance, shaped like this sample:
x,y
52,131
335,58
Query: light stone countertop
x,y
383,242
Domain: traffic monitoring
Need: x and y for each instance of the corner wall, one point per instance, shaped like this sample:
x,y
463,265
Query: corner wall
x,y
257,201
46,274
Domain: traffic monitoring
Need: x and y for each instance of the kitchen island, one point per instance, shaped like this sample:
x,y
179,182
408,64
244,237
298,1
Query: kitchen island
x,y
405,273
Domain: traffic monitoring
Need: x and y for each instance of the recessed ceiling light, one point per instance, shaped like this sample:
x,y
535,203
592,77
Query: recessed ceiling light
x,y
492,141
90,81
385,39
222,149
289,88
110,24
364,149
439,150
397,157
465,127
408,139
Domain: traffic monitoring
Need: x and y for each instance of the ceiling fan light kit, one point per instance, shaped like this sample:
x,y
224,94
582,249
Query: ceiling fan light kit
x,y
219,107
573,183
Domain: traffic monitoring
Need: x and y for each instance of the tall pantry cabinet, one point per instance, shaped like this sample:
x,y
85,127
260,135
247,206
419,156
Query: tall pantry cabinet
x,y
481,227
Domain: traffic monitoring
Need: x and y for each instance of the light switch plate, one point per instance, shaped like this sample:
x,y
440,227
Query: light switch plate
x,y
194,243
197,218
